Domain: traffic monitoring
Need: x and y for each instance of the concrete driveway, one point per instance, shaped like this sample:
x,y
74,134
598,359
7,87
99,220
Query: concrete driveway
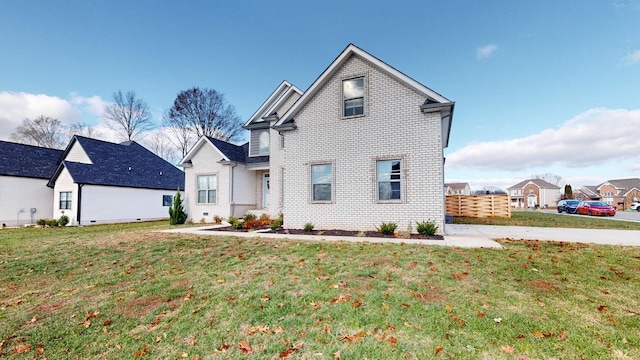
x,y
592,236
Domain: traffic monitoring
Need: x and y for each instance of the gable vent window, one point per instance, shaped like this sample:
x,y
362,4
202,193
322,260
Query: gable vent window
x,y
353,96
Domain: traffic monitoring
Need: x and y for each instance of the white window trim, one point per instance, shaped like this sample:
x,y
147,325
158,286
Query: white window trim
x,y
364,99
403,179
217,183
333,182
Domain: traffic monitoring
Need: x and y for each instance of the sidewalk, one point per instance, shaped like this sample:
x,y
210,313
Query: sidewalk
x,y
459,235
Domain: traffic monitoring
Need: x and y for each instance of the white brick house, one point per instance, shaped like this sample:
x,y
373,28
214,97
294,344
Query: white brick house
x,y
363,145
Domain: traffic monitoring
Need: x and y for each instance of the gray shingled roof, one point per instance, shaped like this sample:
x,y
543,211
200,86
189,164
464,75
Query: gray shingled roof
x,y
125,165
237,153
27,160
539,182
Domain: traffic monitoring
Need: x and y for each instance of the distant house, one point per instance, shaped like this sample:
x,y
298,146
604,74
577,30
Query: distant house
x,y
363,145
587,193
457,189
101,182
616,192
534,192
24,173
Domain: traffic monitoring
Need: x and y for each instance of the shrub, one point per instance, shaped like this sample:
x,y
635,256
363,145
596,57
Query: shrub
x,y
217,219
248,216
63,220
238,225
176,211
426,227
388,228
251,224
275,225
265,220
232,220
307,227
52,222
41,222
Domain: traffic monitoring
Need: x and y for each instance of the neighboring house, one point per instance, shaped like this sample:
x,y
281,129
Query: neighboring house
x,y
534,192
102,182
363,145
587,193
457,189
617,192
24,173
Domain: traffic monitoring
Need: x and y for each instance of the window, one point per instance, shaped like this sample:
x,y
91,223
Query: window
x,y
321,182
389,180
263,143
353,96
167,200
65,200
207,189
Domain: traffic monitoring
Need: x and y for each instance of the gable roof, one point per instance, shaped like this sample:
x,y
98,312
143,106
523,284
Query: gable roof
x,y
537,182
457,186
623,184
230,152
268,107
434,101
125,165
23,160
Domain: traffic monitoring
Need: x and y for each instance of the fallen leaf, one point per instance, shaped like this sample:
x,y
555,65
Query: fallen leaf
x,y
337,355
507,349
265,298
437,350
21,349
33,319
562,335
142,351
538,334
245,347
356,304
480,314
40,349
285,354
602,308
222,348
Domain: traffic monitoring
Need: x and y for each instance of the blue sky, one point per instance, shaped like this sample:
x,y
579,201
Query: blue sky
x,y
540,87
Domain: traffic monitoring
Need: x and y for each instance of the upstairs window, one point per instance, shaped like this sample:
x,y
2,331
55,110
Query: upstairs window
x,y
263,143
207,186
353,97
389,180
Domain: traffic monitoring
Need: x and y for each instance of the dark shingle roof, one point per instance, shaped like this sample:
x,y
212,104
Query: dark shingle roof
x,y
126,165
28,160
237,153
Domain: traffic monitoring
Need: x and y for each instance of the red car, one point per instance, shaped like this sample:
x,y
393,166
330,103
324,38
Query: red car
x,y
595,208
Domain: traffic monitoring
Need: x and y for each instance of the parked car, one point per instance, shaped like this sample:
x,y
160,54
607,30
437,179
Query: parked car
x,y
635,206
595,208
568,206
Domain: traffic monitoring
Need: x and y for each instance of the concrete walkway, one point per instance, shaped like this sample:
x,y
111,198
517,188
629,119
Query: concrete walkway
x,y
458,235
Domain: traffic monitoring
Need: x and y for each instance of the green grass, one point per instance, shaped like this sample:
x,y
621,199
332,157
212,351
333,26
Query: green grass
x,y
543,219
121,291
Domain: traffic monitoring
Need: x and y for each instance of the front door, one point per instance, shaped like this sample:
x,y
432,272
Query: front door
x,y
265,191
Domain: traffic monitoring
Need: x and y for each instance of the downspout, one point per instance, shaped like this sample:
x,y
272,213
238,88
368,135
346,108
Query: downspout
x,y
78,212
231,201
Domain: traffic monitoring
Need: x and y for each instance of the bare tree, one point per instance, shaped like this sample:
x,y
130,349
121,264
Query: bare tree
x,y
42,131
159,144
83,129
179,133
129,116
204,112
548,177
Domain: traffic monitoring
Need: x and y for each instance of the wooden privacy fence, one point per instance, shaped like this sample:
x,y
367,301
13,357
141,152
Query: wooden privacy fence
x,y
481,206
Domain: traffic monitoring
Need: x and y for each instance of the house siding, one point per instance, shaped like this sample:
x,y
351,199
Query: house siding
x,y
393,127
244,198
110,204
64,182
205,162
77,154
18,195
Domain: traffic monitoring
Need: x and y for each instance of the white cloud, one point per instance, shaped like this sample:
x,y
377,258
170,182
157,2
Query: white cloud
x,y
632,58
486,51
591,138
17,106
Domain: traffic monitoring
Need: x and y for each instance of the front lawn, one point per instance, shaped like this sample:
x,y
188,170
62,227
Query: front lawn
x,y
125,292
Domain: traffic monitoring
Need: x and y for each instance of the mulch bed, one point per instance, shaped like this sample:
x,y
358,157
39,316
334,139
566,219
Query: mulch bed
x,y
343,233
